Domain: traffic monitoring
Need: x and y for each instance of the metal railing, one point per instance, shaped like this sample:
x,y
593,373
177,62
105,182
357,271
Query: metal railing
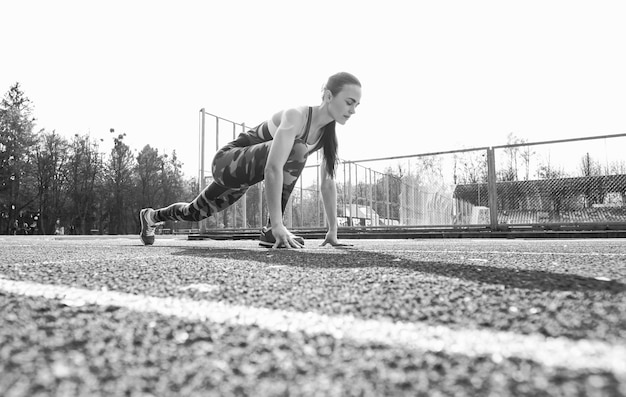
x,y
573,182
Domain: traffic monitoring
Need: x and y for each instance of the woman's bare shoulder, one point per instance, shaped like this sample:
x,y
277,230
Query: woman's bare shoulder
x,y
293,115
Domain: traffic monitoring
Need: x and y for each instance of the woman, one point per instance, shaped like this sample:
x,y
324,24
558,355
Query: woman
x,y
275,151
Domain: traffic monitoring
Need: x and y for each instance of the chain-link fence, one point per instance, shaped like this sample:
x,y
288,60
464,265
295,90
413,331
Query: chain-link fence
x,y
579,182
566,182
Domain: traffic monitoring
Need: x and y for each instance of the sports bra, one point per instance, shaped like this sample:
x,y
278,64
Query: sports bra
x,y
266,130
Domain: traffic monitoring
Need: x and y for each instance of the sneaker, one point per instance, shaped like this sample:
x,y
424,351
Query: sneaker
x,y
267,239
147,226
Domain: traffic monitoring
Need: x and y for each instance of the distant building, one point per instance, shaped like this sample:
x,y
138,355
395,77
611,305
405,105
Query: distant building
x,y
580,199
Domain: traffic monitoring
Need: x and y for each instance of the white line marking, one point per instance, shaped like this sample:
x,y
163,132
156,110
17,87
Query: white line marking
x,y
201,287
551,352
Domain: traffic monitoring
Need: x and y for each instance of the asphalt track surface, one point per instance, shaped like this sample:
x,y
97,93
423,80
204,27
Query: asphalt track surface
x,y
108,316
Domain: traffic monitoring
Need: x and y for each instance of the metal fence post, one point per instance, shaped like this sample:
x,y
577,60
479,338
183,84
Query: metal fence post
x,y
301,203
217,147
387,202
235,205
343,193
288,215
491,188
202,224
318,176
356,189
260,187
350,194
371,199
317,197
244,199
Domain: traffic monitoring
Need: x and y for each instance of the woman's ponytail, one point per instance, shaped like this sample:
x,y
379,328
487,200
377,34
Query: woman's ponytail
x,y
335,84
329,147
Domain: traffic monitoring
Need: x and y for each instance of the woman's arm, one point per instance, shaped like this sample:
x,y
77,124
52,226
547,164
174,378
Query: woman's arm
x,y
329,197
282,144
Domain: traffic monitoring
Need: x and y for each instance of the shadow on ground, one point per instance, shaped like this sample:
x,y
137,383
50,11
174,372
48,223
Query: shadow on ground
x,y
353,258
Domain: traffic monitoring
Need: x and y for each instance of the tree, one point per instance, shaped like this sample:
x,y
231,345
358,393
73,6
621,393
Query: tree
x,y
310,207
429,172
589,166
120,183
16,140
171,179
526,153
594,192
470,167
84,169
45,177
176,189
617,167
546,170
254,205
515,150
388,191
148,170
51,173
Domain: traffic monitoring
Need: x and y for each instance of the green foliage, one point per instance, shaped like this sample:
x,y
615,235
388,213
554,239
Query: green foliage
x,y
470,167
45,177
16,143
51,155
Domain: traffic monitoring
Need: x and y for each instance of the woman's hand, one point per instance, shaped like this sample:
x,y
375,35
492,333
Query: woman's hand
x,y
284,238
331,238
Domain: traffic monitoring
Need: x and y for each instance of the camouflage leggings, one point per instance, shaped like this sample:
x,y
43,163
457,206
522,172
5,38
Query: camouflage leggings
x,y
236,167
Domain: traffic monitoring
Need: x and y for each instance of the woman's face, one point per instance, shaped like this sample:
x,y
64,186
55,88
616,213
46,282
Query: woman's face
x,y
343,105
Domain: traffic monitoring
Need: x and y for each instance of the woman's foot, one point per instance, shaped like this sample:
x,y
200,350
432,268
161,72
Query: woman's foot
x,y
147,226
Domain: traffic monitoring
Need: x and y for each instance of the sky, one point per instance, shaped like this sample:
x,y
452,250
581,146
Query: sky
x,y
436,75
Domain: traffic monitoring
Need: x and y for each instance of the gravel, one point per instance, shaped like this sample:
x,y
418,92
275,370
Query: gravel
x,y
574,289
